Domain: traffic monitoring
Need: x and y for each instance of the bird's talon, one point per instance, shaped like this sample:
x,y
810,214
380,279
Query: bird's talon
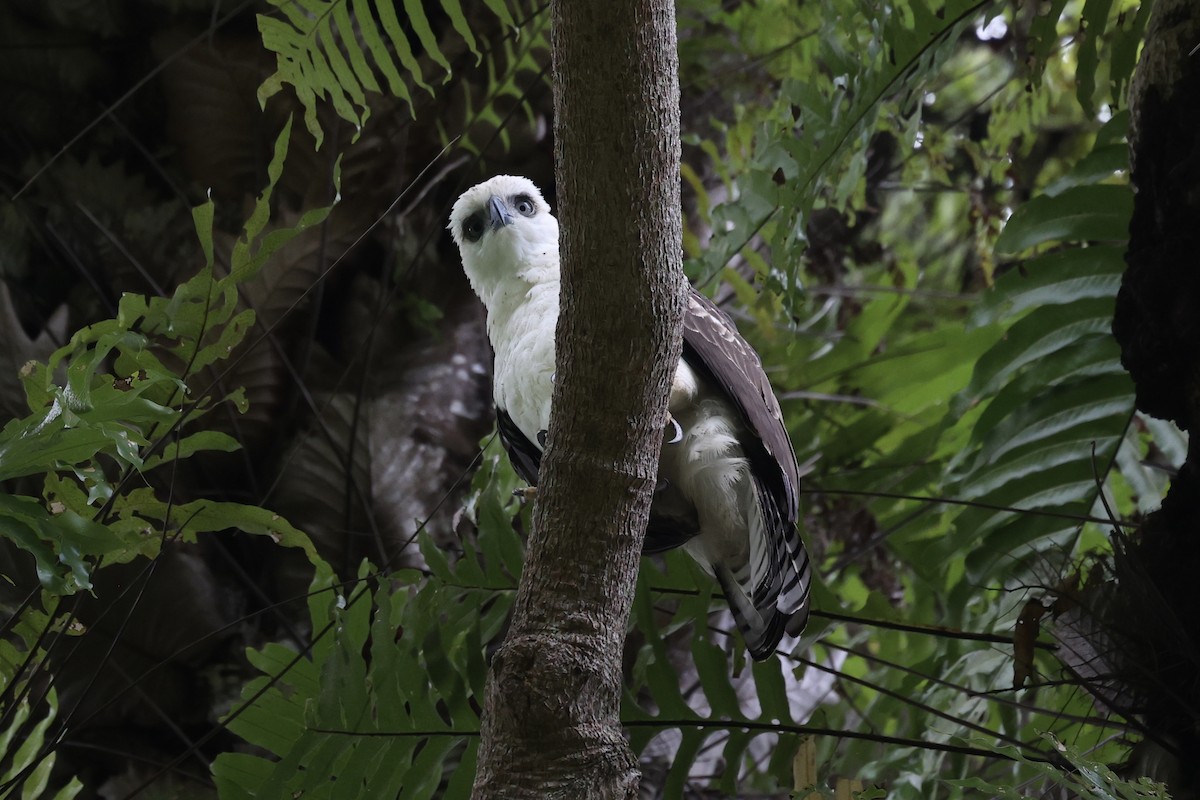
x,y
525,494
676,434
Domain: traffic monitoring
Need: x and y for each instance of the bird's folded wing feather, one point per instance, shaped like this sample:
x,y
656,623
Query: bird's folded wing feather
x,y
525,456
713,347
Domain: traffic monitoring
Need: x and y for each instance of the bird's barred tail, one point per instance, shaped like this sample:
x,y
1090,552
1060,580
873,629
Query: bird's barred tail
x,y
781,579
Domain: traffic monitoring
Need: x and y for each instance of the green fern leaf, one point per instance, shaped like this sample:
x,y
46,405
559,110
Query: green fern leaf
x,y
454,10
500,9
1057,278
1048,406
772,692
1094,23
712,665
821,127
27,762
691,740
329,50
420,24
397,85
1083,213
1030,341
513,67
654,702
350,721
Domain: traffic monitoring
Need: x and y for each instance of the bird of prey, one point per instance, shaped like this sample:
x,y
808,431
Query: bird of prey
x,y
728,481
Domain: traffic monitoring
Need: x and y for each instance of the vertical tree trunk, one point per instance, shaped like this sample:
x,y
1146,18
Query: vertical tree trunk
x,y
1152,615
551,724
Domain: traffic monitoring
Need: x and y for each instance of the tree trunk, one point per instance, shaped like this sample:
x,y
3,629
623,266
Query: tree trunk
x,y
551,725
1152,616
1158,310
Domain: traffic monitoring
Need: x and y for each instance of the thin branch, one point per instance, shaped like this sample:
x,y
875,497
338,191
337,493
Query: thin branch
x,y
928,630
995,696
1038,512
744,725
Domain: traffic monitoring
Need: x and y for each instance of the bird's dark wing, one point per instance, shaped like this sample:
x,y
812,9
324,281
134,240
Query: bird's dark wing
x,y
525,456
714,349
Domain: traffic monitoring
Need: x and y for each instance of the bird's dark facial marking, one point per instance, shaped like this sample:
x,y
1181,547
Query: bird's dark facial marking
x,y
498,213
472,229
523,203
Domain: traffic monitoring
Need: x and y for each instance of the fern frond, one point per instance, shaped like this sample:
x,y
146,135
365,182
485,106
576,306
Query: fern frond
x,y
1048,404
334,49
511,68
386,707
820,127
700,708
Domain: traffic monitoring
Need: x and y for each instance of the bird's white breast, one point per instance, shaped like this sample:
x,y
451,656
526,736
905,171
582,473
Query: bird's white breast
x,y
522,334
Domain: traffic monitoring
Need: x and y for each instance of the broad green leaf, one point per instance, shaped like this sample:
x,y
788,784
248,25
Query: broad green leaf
x,y
1101,164
1035,337
713,668
1107,399
46,444
691,740
1053,279
200,441
1077,447
205,516
1097,213
202,218
772,691
240,776
1090,358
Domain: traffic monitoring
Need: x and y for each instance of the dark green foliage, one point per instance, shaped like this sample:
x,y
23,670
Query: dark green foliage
x,y
820,123
381,702
27,719
386,701
133,387
920,228
135,417
1049,403
1085,778
1015,406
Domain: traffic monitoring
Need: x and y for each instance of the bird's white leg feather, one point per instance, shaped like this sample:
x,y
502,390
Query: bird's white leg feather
x,y
709,468
684,388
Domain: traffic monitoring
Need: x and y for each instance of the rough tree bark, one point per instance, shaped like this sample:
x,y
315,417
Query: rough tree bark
x,y
551,723
1151,618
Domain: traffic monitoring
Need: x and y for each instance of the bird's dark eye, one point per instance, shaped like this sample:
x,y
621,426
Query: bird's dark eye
x,y
524,205
472,229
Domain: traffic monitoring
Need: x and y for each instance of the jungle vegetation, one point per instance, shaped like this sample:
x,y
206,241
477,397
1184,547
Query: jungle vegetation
x,y
258,535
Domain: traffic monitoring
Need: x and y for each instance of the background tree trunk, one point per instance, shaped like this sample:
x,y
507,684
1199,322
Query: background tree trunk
x,y
551,726
1151,619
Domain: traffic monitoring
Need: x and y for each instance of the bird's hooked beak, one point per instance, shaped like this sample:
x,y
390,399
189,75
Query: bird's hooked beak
x,y
498,213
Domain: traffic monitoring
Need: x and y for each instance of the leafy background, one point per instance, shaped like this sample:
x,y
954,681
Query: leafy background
x,y
258,536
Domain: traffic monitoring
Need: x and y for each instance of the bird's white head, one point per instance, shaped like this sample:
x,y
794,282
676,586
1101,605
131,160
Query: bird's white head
x,y
506,236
